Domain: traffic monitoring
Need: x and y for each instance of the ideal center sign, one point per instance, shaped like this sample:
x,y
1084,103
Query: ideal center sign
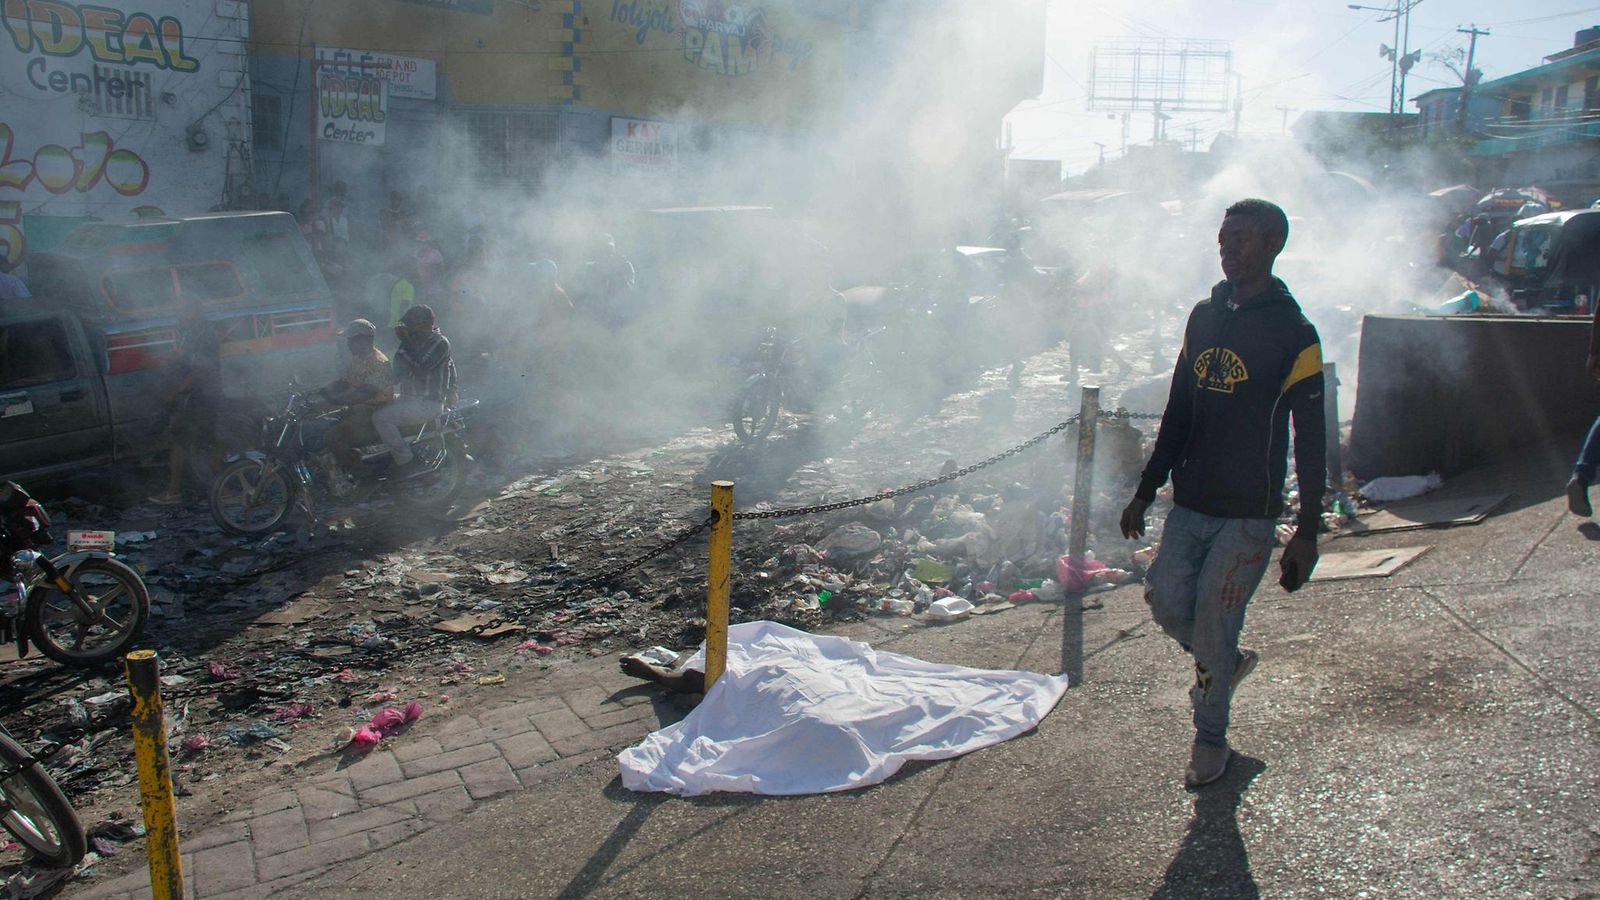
x,y
351,108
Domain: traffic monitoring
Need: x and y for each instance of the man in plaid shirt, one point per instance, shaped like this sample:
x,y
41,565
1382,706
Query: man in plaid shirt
x,y
424,378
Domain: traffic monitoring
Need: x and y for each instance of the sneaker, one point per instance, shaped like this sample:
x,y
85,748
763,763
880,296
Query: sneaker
x,y
1206,764
1578,499
1247,664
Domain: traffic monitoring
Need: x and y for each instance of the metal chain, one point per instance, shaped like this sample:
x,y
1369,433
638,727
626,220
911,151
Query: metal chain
x,y
910,488
1124,414
605,576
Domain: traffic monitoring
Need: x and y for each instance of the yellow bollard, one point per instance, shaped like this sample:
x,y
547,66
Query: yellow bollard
x,y
155,777
720,581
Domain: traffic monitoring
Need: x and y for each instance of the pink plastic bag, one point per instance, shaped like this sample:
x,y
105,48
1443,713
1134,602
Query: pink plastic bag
x,y
1076,575
366,736
292,711
388,719
411,712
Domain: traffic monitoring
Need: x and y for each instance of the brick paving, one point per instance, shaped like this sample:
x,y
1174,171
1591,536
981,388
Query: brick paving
x,y
405,786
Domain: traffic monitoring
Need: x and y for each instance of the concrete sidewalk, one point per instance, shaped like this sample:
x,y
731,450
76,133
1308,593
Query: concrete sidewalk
x,y
1434,734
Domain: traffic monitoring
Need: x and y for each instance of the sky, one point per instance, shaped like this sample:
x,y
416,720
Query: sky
x,y
1293,56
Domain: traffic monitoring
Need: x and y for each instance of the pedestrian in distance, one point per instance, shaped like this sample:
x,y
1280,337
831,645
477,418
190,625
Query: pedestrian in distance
x,y
1588,465
194,397
1250,361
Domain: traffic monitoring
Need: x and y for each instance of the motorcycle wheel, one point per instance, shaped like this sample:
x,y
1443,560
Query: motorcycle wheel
x,y
437,490
755,413
252,497
66,634
35,811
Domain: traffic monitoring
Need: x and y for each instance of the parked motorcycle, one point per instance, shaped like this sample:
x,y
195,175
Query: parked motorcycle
x,y
257,490
786,376
35,811
81,608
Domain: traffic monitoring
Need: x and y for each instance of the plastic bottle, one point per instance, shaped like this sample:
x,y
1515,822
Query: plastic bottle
x,y
899,606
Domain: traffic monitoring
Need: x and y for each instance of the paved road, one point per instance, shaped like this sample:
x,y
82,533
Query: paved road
x,y
1434,734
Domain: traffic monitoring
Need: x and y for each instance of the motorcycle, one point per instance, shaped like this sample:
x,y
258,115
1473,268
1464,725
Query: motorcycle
x,y
257,490
81,608
785,377
35,811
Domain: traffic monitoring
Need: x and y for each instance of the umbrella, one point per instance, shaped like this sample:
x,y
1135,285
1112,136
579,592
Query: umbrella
x,y
1459,198
1511,199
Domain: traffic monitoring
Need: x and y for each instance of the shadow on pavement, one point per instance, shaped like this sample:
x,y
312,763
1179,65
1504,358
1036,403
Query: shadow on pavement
x,y
1212,860
593,875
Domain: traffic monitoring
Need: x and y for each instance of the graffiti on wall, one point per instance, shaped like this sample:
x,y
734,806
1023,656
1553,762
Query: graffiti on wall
x,y
65,30
717,36
94,163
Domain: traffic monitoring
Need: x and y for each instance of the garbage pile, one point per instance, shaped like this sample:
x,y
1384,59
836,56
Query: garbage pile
x,y
941,557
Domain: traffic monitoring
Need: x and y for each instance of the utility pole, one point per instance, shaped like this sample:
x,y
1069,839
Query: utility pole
x,y
1194,137
1286,110
1467,78
1102,153
1238,102
1406,60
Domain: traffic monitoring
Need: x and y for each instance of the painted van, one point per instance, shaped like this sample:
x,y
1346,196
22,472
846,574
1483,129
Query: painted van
x,y
120,287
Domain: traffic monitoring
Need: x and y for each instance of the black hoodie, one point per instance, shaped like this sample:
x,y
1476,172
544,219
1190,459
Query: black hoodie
x,y
1225,435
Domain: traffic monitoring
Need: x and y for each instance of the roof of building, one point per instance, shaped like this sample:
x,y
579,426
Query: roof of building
x,y
1451,91
1319,122
1586,59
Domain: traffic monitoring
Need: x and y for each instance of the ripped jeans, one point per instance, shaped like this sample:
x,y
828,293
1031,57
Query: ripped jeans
x,y
1198,587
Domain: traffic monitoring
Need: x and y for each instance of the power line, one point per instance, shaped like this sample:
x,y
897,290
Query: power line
x,y
1549,18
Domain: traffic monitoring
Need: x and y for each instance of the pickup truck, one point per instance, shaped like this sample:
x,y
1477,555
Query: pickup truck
x,y
85,365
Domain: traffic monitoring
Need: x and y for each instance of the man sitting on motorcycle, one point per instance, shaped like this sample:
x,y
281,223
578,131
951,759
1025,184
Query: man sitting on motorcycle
x,y
365,385
425,377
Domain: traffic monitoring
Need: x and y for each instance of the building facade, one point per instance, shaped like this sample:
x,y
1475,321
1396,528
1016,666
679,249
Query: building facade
x,y
673,102
1542,124
119,109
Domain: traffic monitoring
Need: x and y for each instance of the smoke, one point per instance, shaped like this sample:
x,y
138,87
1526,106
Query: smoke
x,y
857,180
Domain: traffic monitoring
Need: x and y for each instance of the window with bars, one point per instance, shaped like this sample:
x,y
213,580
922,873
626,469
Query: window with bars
x,y
513,146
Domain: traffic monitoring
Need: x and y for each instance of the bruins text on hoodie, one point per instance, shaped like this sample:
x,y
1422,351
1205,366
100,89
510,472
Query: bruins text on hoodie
x,y
1224,438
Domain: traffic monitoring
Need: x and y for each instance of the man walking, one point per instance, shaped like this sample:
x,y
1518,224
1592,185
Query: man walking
x,y
1249,360
424,377
1588,465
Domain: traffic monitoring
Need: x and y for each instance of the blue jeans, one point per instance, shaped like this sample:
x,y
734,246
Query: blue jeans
x,y
1198,587
1588,457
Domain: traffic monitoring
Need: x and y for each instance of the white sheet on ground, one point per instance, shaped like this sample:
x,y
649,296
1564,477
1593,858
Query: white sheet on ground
x,y
1400,487
798,713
